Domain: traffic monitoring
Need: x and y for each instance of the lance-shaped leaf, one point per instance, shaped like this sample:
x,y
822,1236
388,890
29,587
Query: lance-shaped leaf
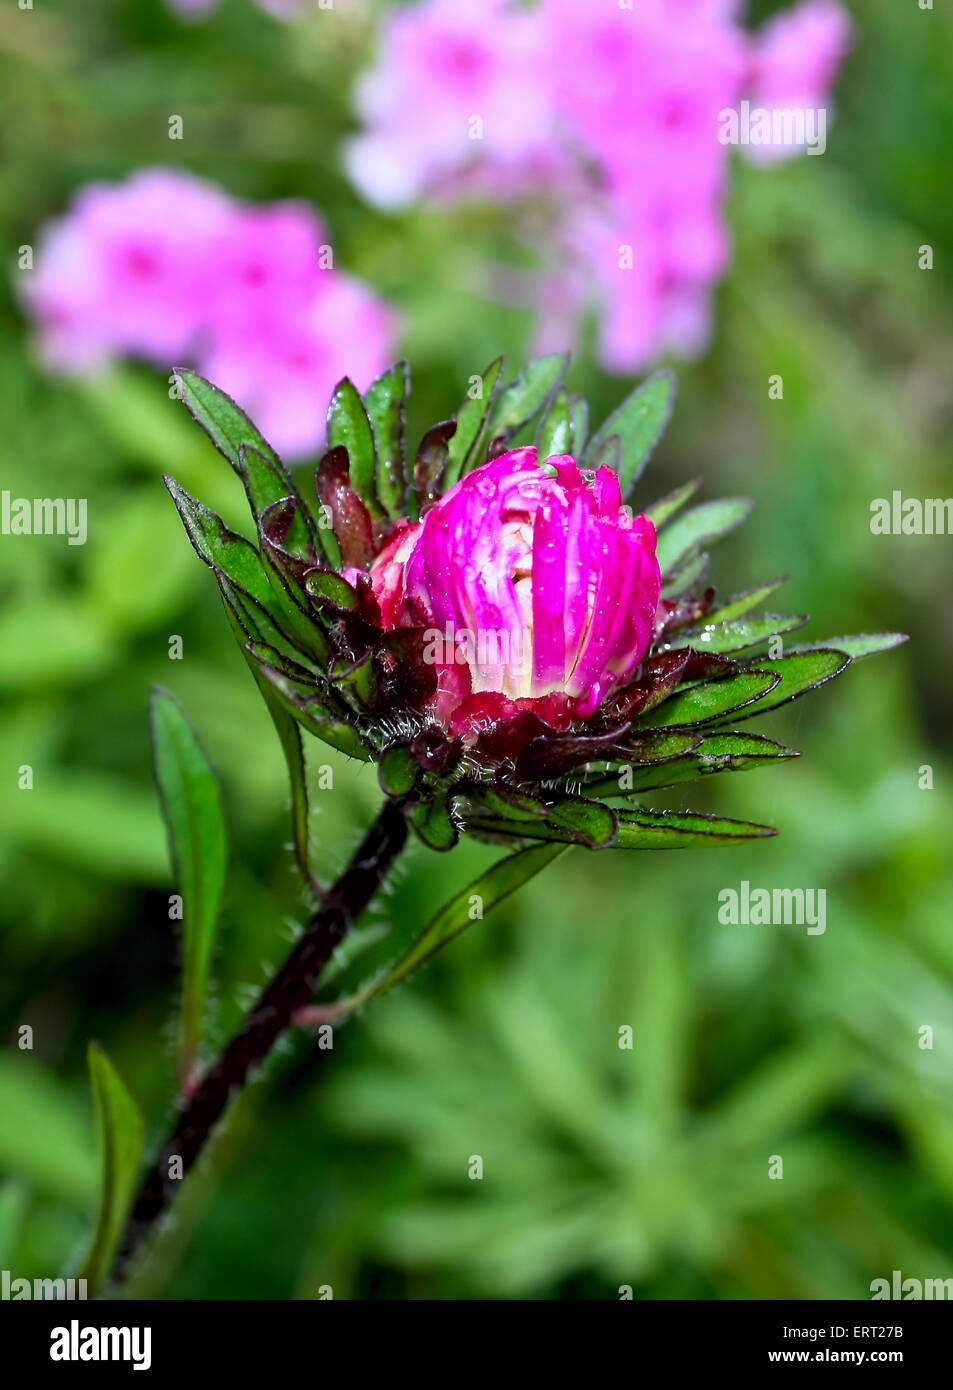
x,y
119,1136
860,645
221,548
681,829
737,634
315,715
385,401
521,400
699,704
267,483
666,507
743,603
571,819
639,422
679,541
579,411
433,824
554,435
688,579
195,820
797,673
350,518
464,448
469,905
430,464
251,625
349,428
719,752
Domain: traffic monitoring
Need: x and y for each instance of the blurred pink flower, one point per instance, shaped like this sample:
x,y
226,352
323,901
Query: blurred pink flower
x,y
615,111
169,269
540,587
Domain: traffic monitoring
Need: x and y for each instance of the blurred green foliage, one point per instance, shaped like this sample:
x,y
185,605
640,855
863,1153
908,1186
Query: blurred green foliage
x,y
602,1166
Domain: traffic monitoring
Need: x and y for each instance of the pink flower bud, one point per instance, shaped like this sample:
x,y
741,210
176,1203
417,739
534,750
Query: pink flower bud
x,y
538,591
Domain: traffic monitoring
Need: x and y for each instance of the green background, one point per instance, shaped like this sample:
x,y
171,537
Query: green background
x,y
603,1167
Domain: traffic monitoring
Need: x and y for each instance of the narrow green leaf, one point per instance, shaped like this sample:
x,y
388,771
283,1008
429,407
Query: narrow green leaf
x,y
349,426
799,672
666,507
192,806
314,715
688,533
860,645
579,410
639,422
484,893
221,548
714,699
225,423
555,433
267,484
720,752
680,829
737,634
744,602
463,448
520,401
571,818
385,401
120,1135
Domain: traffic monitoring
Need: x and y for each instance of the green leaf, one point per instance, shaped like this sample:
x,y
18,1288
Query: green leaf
x,y
579,410
433,824
228,427
555,433
490,888
350,427
744,602
463,452
192,806
799,672
737,634
314,715
672,502
572,820
688,578
681,829
639,422
521,400
385,401
860,645
221,548
120,1134
720,752
681,538
710,700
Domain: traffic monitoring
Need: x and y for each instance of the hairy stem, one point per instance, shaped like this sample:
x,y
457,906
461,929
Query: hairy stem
x,y
289,991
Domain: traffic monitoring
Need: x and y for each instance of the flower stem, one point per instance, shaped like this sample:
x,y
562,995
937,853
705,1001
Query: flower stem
x,y
289,991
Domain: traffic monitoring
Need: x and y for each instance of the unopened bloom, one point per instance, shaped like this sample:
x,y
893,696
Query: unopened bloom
x,y
536,587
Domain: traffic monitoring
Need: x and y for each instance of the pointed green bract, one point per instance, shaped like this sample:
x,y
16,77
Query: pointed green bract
x,y
698,704
477,898
737,634
666,507
681,538
639,422
192,806
433,824
719,752
860,645
221,548
520,401
687,579
555,434
120,1137
385,402
798,673
579,412
464,450
681,829
743,603
315,715
225,423
349,427
398,770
